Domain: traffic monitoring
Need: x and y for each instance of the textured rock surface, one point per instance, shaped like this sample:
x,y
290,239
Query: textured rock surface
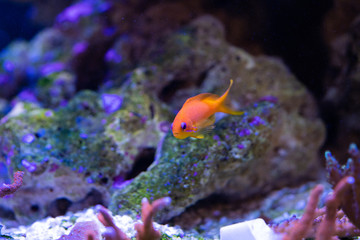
x,y
280,155
78,150
53,228
227,161
96,140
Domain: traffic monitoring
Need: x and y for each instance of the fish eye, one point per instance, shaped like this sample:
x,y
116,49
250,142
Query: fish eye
x,y
183,125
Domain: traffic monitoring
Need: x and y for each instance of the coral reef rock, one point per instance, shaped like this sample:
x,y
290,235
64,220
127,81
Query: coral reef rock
x,y
74,154
240,159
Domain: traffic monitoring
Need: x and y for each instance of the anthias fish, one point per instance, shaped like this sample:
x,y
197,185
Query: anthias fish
x,y
197,115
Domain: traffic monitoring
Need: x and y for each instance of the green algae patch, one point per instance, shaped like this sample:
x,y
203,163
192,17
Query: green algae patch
x,y
82,135
191,169
81,146
137,127
72,136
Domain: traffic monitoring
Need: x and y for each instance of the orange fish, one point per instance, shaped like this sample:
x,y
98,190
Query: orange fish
x,y
197,115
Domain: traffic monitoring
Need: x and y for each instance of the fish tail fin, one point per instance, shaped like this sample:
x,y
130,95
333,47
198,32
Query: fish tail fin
x,y
222,103
228,110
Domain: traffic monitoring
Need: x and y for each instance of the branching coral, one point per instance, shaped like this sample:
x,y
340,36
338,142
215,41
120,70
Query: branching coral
x,y
112,231
7,189
327,227
329,222
300,228
145,230
351,201
322,224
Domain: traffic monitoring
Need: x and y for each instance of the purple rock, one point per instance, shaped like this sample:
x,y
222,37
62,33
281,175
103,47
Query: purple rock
x,y
112,56
90,180
164,126
244,132
53,167
79,47
50,68
75,12
27,96
240,146
257,121
272,99
216,137
83,135
4,79
49,113
31,167
28,138
111,102
8,66
109,31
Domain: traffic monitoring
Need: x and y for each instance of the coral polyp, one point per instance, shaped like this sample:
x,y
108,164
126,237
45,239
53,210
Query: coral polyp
x,y
350,203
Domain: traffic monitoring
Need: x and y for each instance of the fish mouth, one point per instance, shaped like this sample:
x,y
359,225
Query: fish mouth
x,y
178,136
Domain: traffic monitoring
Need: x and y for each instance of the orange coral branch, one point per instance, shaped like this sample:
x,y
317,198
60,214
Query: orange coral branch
x,y
327,227
301,227
145,230
112,231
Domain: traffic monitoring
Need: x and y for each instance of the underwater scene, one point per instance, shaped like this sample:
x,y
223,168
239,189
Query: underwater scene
x,y
169,119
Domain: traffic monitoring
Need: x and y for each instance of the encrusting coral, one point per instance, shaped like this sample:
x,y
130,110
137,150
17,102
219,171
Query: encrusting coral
x,y
7,189
83,229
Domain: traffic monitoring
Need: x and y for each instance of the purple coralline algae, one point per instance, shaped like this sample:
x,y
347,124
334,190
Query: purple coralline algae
x,y
350,202
28,138
80,47
31,167
75,12
52,68
111,102
112,56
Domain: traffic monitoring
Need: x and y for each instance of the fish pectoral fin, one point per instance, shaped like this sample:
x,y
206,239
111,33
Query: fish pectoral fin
x,y
205,126
206,130
206,122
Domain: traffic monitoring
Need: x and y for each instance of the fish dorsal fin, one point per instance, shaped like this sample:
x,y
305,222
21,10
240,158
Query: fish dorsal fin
x,y
217,101
223,97
202,97
222,104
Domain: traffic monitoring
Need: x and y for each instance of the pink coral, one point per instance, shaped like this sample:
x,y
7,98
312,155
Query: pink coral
x,y
82,231
7,189
145,230
323,224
